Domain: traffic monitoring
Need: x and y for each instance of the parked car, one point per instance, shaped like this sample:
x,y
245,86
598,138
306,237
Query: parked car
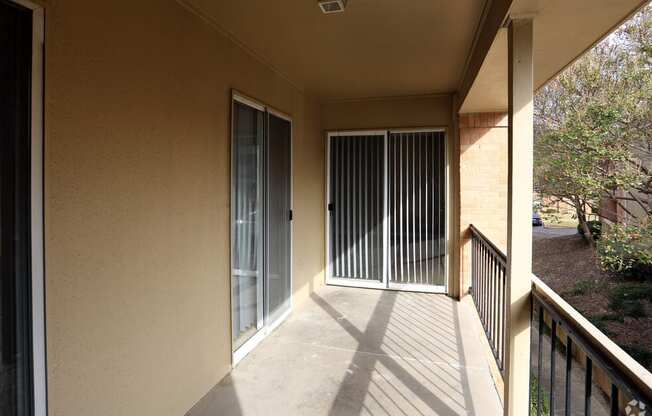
x,y
536,220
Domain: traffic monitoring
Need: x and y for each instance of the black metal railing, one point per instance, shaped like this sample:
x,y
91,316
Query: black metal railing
x,y
575,369
488,278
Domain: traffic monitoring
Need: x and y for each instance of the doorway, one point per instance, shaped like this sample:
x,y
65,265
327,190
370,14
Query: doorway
x,y
22,335
386,209
261,244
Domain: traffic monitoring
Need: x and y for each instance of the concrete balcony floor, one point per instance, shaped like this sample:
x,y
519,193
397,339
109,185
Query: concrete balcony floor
x,y
353,351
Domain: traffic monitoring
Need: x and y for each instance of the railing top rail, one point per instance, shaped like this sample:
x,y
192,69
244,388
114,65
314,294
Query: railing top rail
x,y
636,377
488,242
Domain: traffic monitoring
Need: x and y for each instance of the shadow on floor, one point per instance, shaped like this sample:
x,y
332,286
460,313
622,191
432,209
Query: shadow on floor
x,y
363,352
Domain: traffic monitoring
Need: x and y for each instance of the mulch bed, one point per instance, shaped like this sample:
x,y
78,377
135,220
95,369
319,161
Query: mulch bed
x,y
563,261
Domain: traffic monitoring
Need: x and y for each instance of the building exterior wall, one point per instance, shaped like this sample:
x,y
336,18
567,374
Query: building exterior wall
x,y
137,189
404,112
483,182
425,111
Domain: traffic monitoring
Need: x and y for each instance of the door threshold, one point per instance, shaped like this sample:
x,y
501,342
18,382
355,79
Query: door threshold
x,y
392,286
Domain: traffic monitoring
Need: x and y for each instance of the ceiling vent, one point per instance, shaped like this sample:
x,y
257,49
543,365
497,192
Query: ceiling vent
x,y
332,6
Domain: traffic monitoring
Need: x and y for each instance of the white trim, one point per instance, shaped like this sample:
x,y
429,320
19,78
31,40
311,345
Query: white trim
x,y
357,133
255,340
385,209
364,283
385,283
419,130
265,327
409,287
282,115
449,214
39,365
243,99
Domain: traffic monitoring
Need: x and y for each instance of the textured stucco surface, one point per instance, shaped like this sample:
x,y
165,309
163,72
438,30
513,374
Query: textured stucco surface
x,y
426,111
137,203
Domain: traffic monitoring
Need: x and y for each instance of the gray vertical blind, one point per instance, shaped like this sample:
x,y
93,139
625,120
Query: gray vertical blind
x,y
356,207
277,222
416,208
415,185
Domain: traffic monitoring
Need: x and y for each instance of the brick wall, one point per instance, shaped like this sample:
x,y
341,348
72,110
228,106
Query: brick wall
x,y
483,182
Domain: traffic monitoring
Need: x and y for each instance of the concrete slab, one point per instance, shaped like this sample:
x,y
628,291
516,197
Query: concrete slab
x,y
353,351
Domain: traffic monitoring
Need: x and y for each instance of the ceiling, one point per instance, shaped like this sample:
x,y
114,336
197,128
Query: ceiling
x,y
375,48
563,30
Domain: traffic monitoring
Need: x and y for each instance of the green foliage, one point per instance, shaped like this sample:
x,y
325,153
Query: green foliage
x,y
595,227
545,398
627,298
640,354
592,123
582,288
626,250
601,321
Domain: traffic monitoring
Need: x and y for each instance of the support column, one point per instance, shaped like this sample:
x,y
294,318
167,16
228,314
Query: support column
x,y
519,217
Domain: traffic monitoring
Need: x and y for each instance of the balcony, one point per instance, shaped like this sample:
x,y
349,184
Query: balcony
x,y
350,351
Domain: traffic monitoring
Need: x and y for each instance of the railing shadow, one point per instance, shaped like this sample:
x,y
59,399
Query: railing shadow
x,y
397,360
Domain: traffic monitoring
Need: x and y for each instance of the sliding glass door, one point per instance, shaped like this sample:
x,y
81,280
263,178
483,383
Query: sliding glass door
x,y
387,209
16,313
247,195
261,277
279,214
356,215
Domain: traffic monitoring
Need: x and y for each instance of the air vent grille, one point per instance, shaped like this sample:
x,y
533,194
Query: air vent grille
x,y
332,6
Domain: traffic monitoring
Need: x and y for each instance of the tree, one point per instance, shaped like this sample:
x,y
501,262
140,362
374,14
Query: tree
x,y
593,125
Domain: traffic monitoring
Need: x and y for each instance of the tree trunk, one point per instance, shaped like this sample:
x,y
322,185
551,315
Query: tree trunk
x,y
581,217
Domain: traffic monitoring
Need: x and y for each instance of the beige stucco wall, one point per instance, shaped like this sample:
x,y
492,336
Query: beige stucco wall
x,y
483,182
137,203
426,111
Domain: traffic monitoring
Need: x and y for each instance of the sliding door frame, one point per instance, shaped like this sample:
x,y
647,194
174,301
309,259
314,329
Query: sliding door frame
x,y
37,246
341,281
267,326
384,283
273,324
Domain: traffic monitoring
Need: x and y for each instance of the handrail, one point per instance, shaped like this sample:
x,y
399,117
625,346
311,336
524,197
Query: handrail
x,y
488,242
621,368
488,273
488,290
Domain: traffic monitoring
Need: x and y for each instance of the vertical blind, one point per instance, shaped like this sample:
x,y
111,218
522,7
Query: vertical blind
x,y
416,208
356,209
402,178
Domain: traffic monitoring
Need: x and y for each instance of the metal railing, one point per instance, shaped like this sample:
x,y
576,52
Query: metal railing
x,y
488,282
577,368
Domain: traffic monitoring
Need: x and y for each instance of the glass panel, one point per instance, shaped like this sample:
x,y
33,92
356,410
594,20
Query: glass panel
x,y
417,208
278,216
15,285
356,207
247,276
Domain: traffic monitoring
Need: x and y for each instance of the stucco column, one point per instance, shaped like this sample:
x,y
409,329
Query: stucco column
x,y
519,220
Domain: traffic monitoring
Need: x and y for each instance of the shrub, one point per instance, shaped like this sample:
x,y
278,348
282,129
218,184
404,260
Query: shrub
x,y
582,288
595,227
627,298
626,250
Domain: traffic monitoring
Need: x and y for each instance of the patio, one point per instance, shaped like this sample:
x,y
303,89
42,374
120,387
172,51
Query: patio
x,y
348,351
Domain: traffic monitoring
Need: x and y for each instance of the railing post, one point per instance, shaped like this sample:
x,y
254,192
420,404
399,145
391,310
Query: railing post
x,y
519,211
